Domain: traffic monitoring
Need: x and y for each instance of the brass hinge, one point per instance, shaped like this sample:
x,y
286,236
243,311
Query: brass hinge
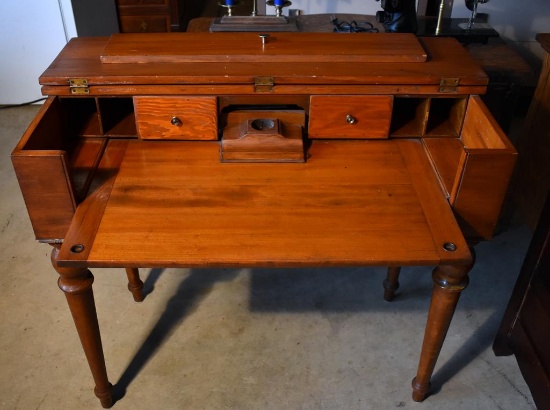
x,y
78,86
263,84
448,85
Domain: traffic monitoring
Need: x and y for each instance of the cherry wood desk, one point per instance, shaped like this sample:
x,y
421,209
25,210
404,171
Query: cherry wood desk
x,y
150,154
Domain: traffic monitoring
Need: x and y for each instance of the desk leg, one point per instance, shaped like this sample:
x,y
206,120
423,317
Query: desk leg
x,y
391,283
77,285
449,281
135,285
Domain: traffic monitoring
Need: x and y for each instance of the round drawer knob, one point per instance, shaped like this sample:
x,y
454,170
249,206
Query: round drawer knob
x,y
350,119
175,121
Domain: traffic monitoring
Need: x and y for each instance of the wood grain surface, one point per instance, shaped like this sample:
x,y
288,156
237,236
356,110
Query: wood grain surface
x,y
352,203
371,116
248,47
196,118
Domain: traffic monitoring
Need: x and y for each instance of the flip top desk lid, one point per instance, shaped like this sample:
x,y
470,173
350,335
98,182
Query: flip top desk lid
x,y
288,58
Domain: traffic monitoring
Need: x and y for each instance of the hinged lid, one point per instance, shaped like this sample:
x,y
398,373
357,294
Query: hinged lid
x,y
168,64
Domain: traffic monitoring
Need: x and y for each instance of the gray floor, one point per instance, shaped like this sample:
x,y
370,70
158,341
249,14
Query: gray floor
x,y
246,339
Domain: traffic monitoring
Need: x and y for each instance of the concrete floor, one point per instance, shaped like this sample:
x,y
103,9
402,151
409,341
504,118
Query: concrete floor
x,y
246,339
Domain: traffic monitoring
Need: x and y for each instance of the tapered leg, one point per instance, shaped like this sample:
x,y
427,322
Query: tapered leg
x,y
77,285
391,283
449,281
135,285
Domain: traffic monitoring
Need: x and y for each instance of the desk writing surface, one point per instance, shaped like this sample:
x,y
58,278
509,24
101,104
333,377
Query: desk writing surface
x,y
351,203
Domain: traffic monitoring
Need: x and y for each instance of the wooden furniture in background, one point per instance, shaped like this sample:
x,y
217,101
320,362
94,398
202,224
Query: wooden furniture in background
x,y
153,16
510,77
148,16
532,179
124,155
525,328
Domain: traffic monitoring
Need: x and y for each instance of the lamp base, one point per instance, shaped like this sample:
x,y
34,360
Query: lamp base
x,y
253,23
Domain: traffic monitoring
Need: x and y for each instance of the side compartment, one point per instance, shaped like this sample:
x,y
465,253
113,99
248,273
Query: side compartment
x,y
475,169
54,166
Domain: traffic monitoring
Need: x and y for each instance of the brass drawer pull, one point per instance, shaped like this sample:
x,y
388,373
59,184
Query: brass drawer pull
x,y
350,119
176,121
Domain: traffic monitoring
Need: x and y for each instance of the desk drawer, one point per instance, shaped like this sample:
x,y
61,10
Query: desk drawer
x,y
350,116
176,118
144,24
144,16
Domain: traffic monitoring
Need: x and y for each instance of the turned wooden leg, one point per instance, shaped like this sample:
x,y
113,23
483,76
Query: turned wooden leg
x,y
77,285
135,285
449,281
391,283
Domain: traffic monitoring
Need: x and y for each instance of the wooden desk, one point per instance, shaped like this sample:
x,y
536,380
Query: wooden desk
x,y
194,157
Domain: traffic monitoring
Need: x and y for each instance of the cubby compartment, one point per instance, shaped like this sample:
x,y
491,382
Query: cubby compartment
x,y
105,116
81,116
55,162
474,169
117,117
409,116
445,117
414,117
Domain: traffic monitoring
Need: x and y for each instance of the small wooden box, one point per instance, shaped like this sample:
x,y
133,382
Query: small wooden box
x,y
264,136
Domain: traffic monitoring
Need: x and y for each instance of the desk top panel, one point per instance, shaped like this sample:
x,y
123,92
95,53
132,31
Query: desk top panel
x,y
81,58
351,203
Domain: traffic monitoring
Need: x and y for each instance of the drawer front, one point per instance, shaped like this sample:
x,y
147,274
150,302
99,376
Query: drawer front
x,y
176,118
144,24
350,116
